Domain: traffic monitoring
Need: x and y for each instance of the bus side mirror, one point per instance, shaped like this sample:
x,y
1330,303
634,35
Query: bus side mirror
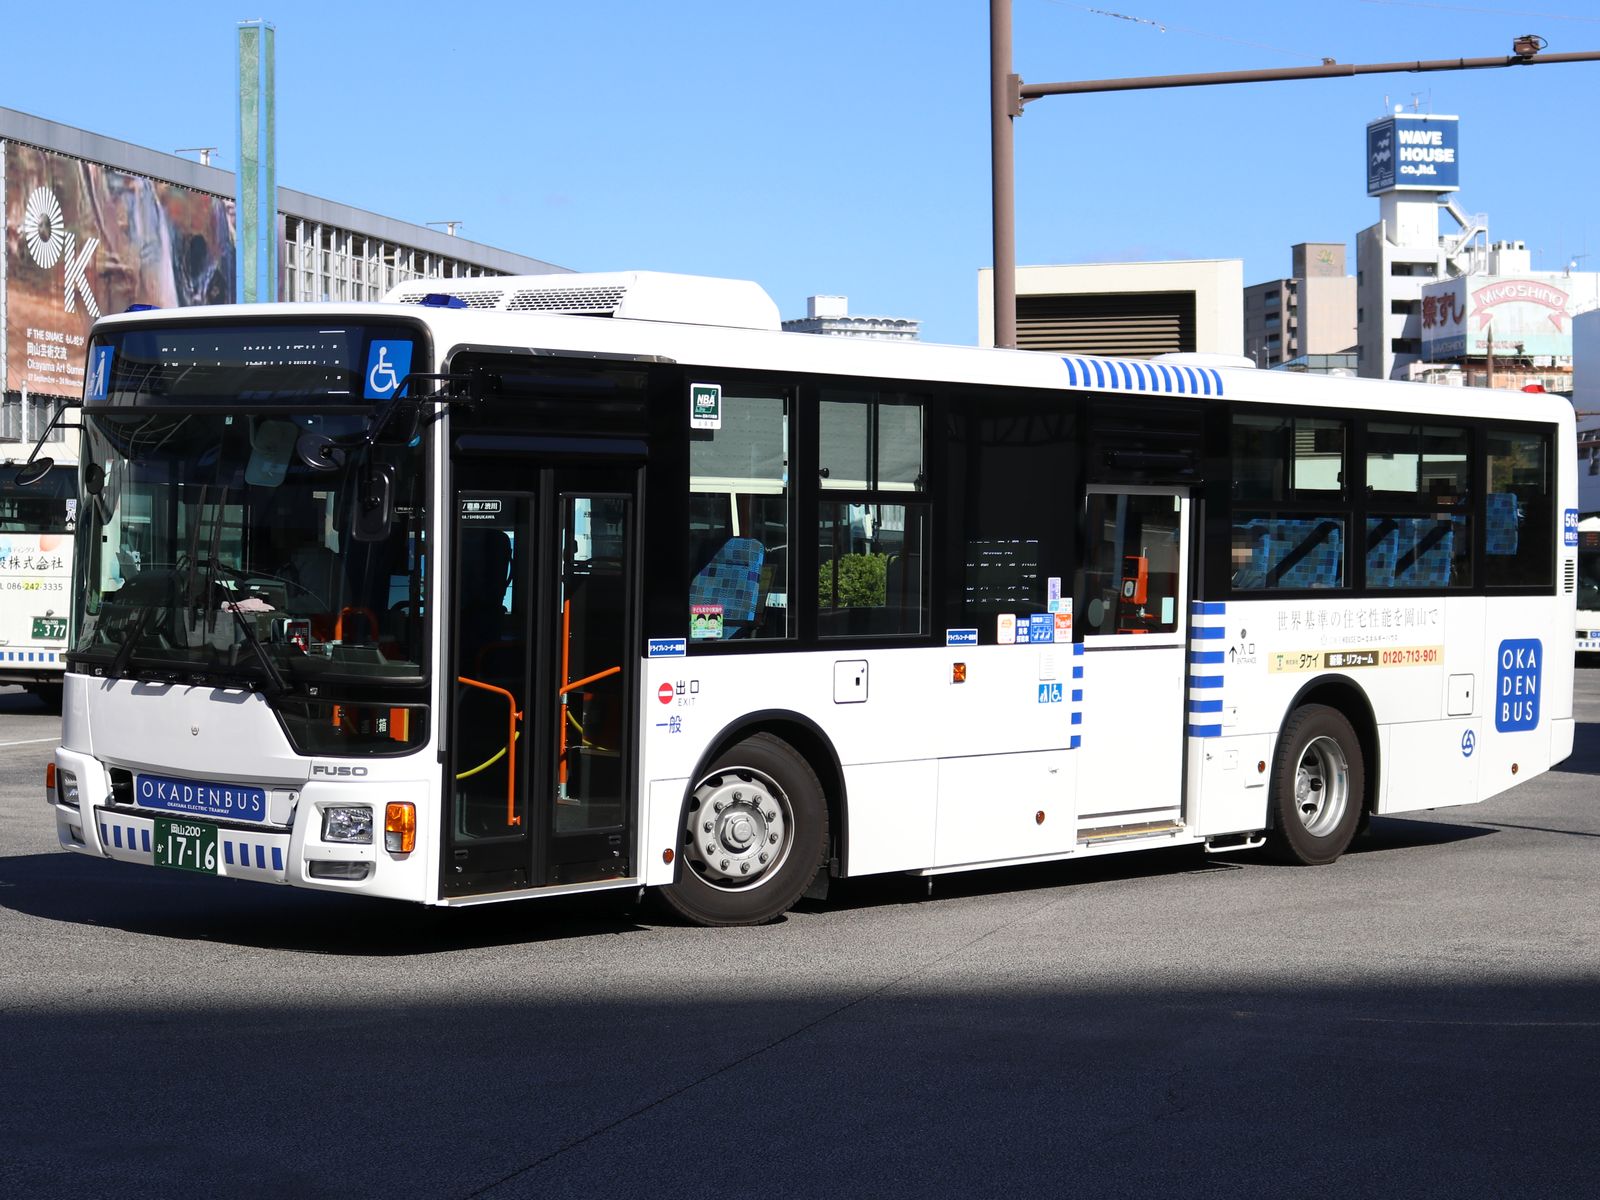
x,y
372,510
30,473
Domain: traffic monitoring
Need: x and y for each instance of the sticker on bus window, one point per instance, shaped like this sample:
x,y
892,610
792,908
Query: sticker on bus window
x,y
705,406
705,621
1063,620
1569,527
98,384
1005,629
388,363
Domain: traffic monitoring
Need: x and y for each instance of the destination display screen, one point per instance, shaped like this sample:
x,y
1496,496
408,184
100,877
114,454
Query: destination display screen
x,y
252,365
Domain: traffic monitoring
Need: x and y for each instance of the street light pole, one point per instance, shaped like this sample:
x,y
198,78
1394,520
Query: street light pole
x,y
1008,94
1004,107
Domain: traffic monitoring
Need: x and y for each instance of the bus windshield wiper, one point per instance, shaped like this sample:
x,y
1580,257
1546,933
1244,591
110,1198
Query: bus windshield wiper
x,y
279,687
119,664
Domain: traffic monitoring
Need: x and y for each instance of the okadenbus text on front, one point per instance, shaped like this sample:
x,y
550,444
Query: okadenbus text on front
x,y
530,586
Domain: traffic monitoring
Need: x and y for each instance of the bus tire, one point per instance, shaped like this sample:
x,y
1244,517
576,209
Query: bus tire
x,y
1318,787
754,833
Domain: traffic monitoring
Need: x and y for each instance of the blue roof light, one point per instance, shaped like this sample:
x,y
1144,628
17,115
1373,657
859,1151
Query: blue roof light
x,y
440,300
141,308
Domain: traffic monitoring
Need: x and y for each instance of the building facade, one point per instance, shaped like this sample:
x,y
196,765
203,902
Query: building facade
x,y
1131,310
830,315
94,225
1307,316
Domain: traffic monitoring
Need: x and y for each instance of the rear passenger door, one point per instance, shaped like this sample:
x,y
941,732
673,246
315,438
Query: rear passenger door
x,y
1132,594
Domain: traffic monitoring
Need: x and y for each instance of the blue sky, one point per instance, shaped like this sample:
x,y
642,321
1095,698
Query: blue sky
x,y
842,146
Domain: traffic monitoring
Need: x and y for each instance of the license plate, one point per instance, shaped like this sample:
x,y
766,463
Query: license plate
x,y
186,845
49,629
200,798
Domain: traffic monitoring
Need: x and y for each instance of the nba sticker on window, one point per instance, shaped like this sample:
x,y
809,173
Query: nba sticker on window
x,y
705,406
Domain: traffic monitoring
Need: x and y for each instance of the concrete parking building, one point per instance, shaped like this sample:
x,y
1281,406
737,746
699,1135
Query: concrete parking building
x,y
1133,310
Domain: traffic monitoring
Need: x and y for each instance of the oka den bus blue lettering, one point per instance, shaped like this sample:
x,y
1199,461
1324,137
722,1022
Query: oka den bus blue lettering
x,y
1517,688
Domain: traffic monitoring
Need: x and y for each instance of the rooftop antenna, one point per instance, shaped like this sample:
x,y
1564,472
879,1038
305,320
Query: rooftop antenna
x,y
205,153
450,227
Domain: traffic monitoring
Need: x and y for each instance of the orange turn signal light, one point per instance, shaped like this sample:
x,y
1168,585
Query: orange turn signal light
x,y
50,779
666,856
958,672
400,828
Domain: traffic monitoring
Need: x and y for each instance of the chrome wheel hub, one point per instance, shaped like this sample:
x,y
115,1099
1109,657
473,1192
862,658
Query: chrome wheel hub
x,y
1322,786
738,828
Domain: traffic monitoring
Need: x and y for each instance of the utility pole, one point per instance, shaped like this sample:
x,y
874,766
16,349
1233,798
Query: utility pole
x,y
1008,95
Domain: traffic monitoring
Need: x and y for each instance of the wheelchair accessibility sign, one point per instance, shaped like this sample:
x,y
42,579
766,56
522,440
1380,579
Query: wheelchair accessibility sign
x,y
388,362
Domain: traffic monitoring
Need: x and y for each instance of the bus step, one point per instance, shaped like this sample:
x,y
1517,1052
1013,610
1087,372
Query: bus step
x,y
1123,833
1227,843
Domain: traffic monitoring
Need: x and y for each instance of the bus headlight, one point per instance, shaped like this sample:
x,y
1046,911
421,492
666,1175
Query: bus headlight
x,y
67,788
347,825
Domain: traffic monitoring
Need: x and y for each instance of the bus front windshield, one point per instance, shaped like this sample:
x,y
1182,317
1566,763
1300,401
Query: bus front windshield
x,y
272,549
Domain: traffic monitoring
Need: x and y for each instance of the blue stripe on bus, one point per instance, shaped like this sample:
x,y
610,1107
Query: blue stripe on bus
x,y
1077,648
277,858
1208,631
1077,672
1205,681
1206,706
116,836
1099,374
144,837
1206,658
261,857
1205,731
1075,743
1077,695
227,852
1077,718
1209,608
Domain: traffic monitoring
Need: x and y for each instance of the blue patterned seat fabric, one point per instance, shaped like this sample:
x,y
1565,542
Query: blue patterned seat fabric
x,y
1501,523
1412,552
732,579
1298,552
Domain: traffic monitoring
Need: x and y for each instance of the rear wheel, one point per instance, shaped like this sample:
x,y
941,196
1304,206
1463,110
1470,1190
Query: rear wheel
x,y
1318,787
755,829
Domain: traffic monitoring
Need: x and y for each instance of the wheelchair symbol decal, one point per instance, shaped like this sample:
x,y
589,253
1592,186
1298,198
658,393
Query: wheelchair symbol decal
x,y
388,362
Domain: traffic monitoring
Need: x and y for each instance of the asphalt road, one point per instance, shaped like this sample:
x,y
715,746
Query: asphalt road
x,y
1420,1019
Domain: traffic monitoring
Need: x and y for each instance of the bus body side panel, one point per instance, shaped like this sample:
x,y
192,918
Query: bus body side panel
x,y
1426,666
936,773
1527,690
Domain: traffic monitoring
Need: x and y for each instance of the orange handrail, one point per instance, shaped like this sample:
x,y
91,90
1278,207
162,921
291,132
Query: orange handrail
x,y
566,665
359,610
578,683
512,816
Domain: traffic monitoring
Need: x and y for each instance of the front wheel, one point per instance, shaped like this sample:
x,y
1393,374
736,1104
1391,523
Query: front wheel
x,y
755,830
1318,787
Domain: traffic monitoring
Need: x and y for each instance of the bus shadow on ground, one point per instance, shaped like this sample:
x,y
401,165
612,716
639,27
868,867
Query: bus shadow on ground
x,y
1401,833
169,904
1585,757
15,700
151,902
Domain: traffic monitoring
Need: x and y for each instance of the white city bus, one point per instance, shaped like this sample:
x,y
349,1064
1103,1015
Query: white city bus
x,y
1589,585
661,597
36,521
